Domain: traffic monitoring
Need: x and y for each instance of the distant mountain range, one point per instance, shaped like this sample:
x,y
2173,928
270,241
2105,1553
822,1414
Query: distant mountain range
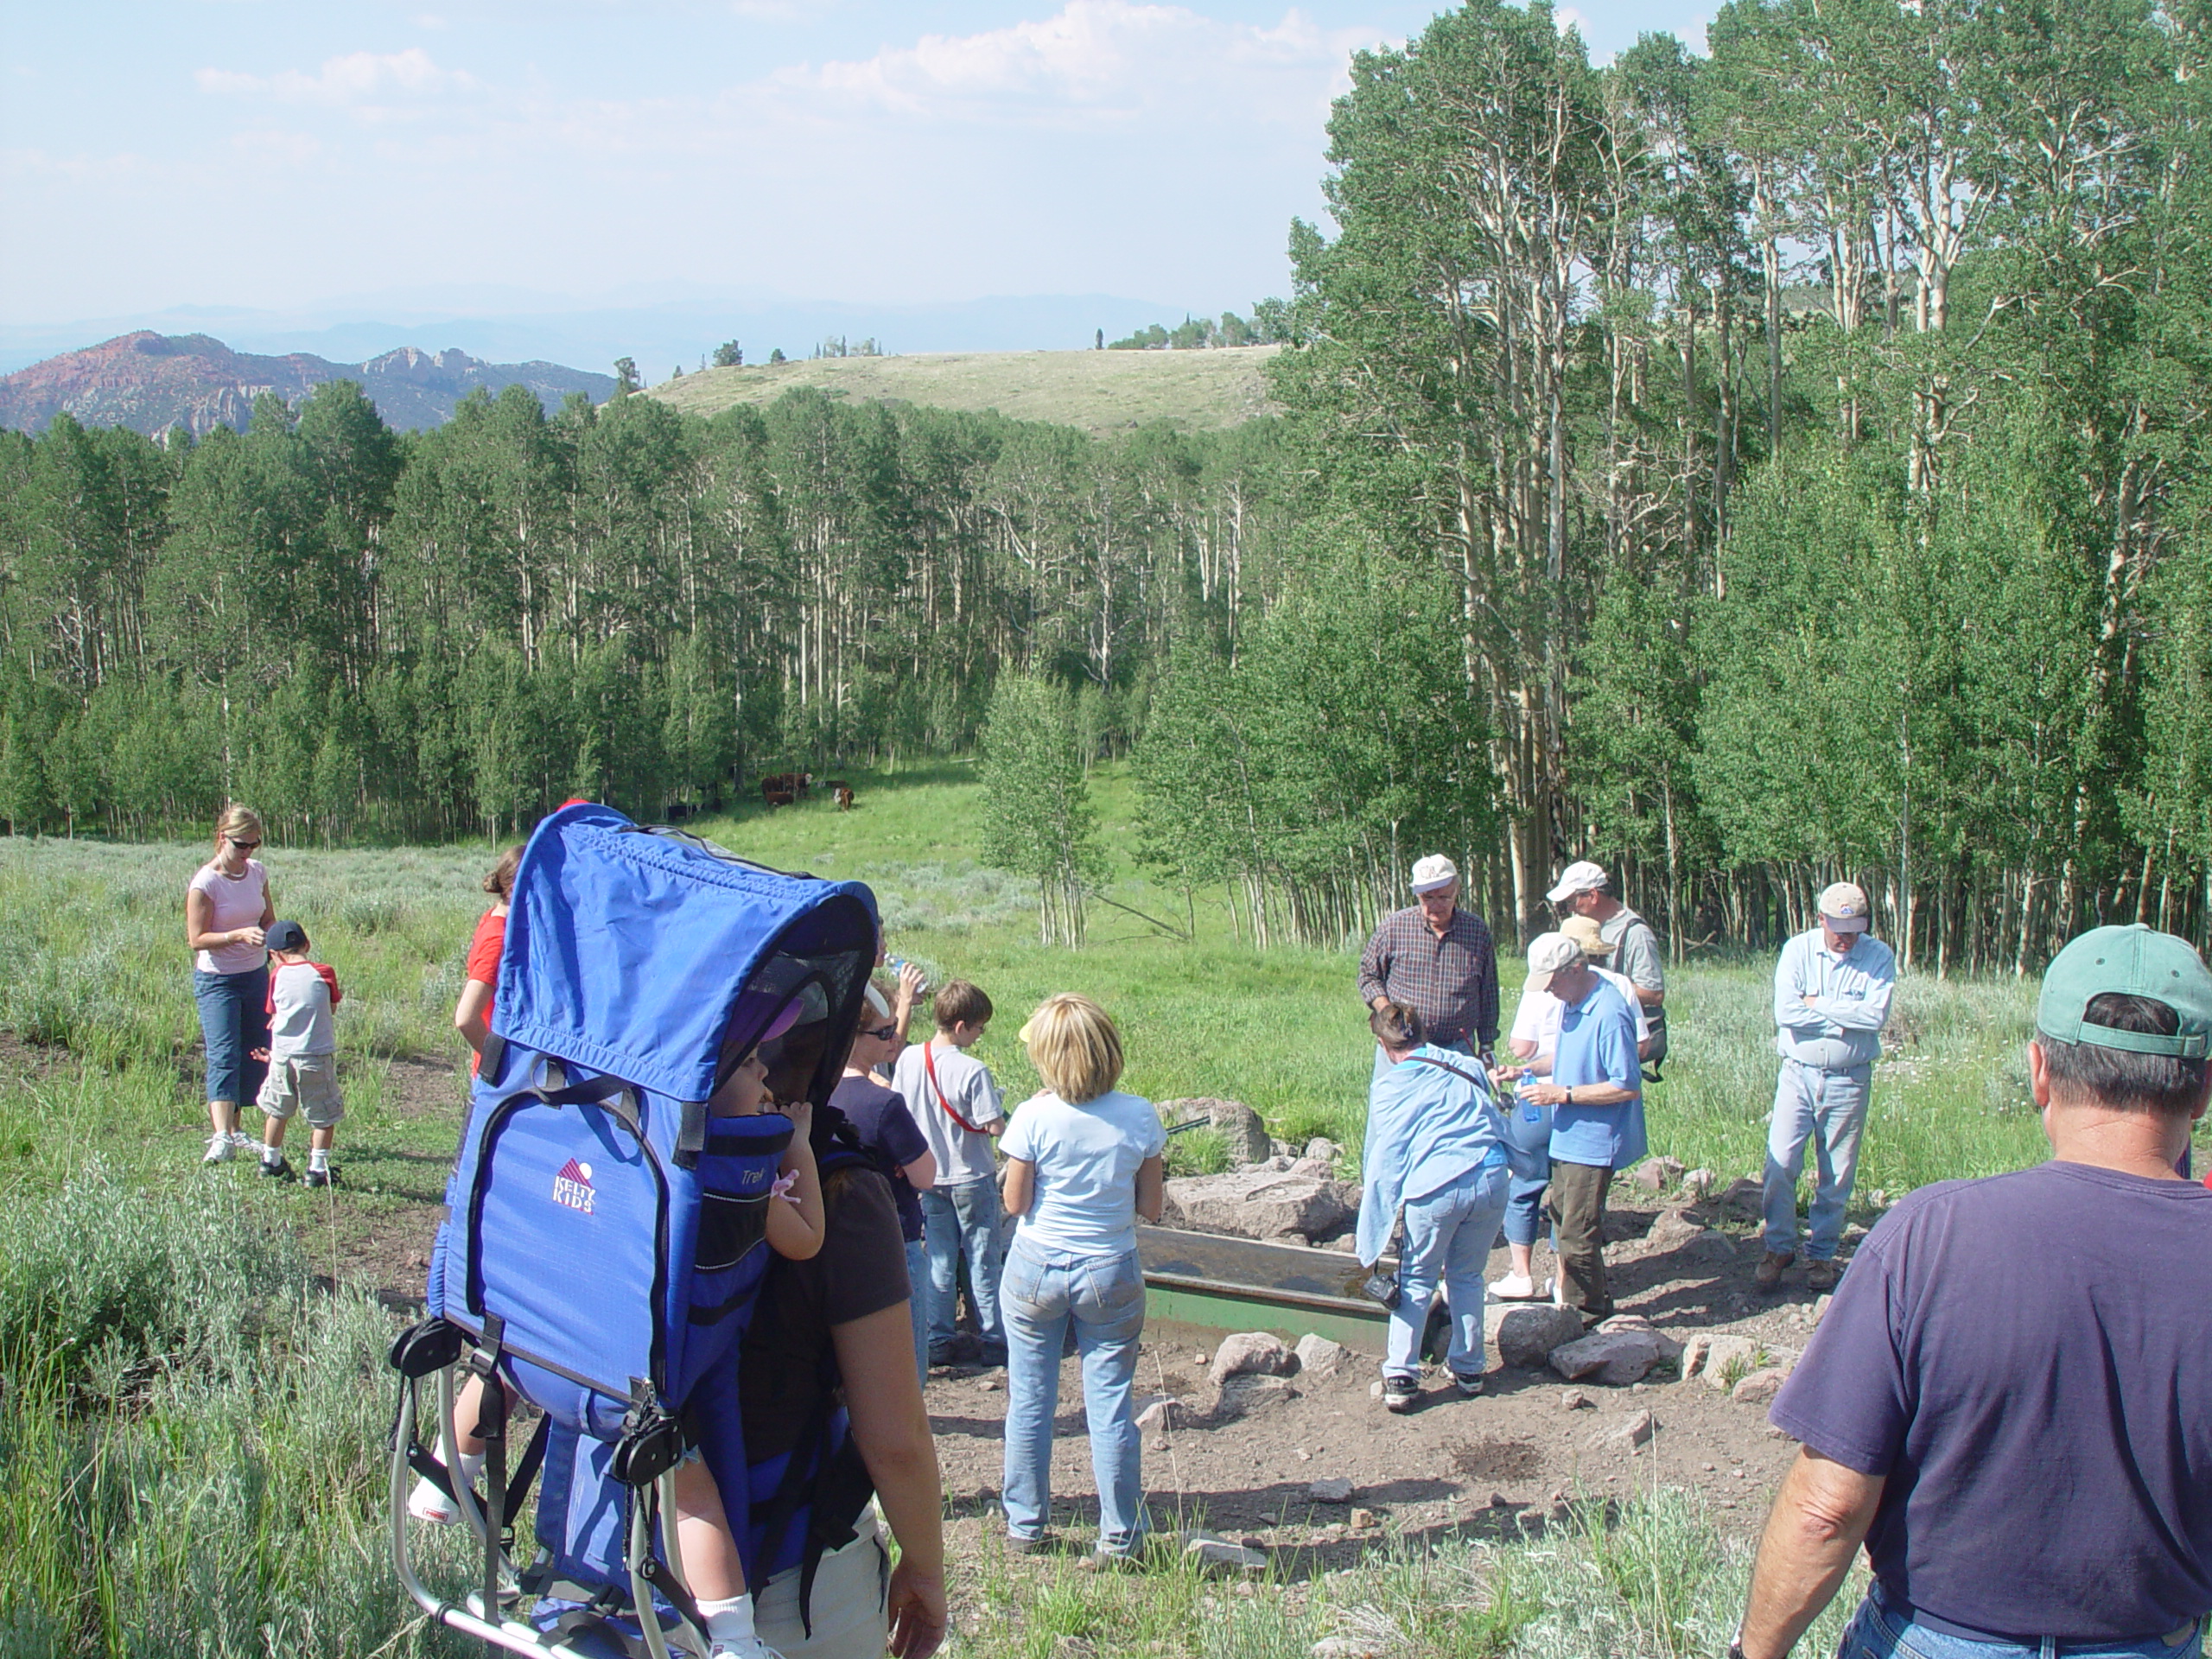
x,y
151,382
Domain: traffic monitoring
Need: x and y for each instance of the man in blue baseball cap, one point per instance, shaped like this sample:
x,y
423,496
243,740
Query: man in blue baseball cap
x,y
2009,1400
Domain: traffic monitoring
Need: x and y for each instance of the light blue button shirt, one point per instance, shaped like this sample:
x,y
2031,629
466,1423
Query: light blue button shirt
x,y
1597,1044
1426,1128
1841,1027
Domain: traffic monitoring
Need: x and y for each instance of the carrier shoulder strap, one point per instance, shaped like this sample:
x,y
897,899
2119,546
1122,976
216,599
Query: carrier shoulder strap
x,y
929,1064
1446,1065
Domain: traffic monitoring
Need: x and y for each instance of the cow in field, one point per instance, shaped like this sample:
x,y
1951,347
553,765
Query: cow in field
x,y
844,797
779,797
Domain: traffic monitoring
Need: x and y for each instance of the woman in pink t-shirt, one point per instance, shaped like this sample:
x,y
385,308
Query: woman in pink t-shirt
x,y
226,907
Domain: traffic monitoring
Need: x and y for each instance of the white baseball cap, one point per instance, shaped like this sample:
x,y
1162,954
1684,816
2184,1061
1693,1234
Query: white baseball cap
x,y
1844,908
1582,876
1548,954
1434,872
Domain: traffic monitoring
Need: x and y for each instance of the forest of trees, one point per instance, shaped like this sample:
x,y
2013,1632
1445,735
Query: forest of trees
x,y
1745,469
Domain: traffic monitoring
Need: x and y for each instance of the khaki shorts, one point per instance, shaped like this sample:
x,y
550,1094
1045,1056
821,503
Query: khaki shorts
x,y
851,1608
309,1081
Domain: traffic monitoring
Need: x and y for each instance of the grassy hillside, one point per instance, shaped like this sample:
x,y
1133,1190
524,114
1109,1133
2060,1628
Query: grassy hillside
x,y
1099,391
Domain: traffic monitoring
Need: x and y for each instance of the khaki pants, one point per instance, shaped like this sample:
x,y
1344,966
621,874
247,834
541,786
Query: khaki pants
x,y
1577,1207
850,1605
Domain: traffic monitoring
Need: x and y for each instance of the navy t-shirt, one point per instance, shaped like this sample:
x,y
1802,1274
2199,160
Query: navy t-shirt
x,y
2026,1359
880,1117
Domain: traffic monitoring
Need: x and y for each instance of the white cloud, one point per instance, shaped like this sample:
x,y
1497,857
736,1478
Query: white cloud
x,y
1097,58
355,78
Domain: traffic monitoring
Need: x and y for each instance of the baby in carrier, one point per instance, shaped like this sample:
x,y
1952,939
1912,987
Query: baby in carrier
x,y
703,1537
704,1542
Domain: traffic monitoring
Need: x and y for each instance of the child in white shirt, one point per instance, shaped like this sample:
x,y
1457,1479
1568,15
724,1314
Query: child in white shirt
x,y
302,1055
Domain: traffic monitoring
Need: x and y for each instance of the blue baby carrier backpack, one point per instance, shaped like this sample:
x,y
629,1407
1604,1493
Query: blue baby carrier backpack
x,y
605,1235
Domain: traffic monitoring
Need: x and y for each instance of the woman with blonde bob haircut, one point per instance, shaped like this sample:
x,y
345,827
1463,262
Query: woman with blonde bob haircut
x,y
1083,1161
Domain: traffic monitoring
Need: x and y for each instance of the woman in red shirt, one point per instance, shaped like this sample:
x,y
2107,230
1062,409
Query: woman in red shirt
x,y
472,1015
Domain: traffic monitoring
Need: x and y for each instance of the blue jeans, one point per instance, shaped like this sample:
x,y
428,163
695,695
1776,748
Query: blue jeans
x,y
957,1220
1825,1111
1881,1628
1104,1295
918,1304
1448,1236
1524,1210
233,1018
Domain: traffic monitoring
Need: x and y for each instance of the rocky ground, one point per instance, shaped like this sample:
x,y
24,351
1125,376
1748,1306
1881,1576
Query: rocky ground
x,y
1309,1466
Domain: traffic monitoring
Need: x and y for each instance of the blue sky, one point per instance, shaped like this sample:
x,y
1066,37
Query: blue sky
x,y
311,154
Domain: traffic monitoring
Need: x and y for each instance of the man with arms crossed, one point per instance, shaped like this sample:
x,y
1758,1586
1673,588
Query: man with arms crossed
x,y
2009,1400
1438,960
1832,993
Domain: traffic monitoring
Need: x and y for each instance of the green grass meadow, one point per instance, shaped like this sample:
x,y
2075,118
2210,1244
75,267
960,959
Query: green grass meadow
x,y
192,1419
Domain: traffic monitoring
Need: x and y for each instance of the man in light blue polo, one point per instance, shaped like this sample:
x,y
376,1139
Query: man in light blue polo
x,y
1832,993
1595,1089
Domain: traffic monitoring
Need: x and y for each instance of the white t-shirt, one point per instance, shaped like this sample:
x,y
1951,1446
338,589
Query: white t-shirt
x,y
300,1000
1536,1020
1086,1158
967,1082
233,901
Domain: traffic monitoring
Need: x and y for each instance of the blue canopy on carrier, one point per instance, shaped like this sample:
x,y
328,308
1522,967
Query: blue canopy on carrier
x,y
605,1234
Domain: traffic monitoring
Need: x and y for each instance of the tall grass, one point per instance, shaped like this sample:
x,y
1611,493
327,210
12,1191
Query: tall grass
x,y
193,1436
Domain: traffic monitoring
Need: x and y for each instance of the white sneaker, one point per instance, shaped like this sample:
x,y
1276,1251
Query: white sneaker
x,y
745,1647
220,1150
1516,1287
427,1502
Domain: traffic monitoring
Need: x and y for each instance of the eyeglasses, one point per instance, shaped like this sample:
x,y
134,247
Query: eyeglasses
x,y
881,1033
243,846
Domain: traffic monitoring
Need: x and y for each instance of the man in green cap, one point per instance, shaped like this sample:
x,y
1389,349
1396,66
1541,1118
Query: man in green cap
x,y
2009,1400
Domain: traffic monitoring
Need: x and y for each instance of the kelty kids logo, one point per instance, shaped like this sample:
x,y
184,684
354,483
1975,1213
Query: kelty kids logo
x,y
572,1187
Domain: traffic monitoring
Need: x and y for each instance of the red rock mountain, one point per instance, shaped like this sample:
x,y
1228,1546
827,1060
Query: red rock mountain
x,y
151,382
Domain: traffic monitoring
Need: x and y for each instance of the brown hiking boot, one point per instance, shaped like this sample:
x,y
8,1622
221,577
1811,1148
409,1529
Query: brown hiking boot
x,y
1821,1275
1770,1267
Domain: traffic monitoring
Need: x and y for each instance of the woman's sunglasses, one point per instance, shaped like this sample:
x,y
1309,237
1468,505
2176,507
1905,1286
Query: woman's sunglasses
x,y
243,846
881,1033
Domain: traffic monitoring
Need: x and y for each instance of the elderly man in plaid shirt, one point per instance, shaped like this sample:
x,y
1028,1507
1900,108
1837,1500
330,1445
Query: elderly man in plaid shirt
x,y
1439,959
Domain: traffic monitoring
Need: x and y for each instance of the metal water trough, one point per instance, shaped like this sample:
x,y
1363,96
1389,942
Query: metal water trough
x,y
1215,1283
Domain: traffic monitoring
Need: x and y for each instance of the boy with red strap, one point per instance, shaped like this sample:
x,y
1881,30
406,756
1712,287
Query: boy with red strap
x,y
956,1102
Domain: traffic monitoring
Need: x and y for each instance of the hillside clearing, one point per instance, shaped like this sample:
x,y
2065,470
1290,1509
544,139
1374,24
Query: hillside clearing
x,y
1098,391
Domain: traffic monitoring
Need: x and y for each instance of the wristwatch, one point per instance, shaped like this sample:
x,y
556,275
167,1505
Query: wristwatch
x,y
1570,1094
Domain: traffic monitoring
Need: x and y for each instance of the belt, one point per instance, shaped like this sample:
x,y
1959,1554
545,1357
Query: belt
x,y
1900,1608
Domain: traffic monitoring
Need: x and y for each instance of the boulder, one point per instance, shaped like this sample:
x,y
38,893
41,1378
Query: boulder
x,y
1759,1387
1251,1353
1238,1124
1615,1358
1163,1412
1699,1182
1318,1356
1746,1199
1633,1435
1363,1521
1262,1203
1333,1489
1251,1396
1658,1174
1526,1336
1677,1232
1820,1307
1727,1357
1575,1400
1211,1553
1322,1147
